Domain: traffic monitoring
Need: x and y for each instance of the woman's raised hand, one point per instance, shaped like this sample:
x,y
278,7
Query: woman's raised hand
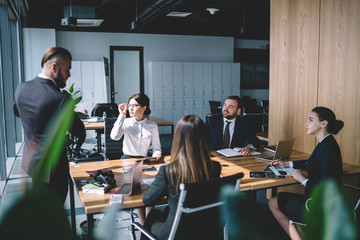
x,y
122,108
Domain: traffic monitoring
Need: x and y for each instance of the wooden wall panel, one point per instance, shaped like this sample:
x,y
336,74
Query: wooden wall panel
x,y
294,37
339,70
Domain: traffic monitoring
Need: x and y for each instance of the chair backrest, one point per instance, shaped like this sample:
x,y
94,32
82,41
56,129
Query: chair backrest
x,y
111,110
215,107
197,215
112,149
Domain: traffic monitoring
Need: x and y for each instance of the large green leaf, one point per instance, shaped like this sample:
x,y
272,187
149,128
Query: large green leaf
x,y
77,100
38,215
71,88
243,217
52,145
330,215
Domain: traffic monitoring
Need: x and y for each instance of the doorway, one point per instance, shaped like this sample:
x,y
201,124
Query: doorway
x,y
127,72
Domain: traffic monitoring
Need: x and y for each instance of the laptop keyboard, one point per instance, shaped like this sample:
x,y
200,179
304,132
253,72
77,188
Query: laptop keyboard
x,y
125,189
268,156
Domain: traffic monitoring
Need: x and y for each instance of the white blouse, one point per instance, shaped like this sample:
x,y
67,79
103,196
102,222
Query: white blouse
x,y
138,136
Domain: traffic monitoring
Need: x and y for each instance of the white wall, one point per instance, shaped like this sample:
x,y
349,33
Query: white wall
x,y
87,46
35,42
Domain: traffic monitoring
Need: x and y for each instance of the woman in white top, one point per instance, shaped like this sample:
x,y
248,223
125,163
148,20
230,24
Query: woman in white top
x,y
139,132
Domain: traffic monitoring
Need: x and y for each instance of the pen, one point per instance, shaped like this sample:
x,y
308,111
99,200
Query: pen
x,y
277,160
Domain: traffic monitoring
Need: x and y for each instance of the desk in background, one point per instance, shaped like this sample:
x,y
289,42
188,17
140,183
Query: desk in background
x,y
263,136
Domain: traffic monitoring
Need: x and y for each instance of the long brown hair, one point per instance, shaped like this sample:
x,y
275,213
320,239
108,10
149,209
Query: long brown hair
x,y
190,154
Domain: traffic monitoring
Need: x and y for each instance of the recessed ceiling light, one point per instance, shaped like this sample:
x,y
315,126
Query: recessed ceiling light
x,y
178,14
212,10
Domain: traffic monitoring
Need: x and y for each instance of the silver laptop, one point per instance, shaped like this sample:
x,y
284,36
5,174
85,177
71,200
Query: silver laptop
x,y
283,151
134,186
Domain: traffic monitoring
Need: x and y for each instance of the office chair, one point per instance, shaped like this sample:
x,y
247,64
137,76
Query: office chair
x,y
197,215
112,148
215,107
265,112
111,110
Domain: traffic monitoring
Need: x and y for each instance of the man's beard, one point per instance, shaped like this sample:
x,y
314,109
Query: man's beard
x,y
60,81
229,117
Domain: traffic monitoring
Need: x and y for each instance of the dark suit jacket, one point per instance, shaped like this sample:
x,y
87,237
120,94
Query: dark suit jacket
x,y
243,134
161,187
35,103
324,162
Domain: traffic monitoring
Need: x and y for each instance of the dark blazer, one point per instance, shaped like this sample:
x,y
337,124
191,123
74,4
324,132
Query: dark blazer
x,y
243,133
163,187
324,162
35,103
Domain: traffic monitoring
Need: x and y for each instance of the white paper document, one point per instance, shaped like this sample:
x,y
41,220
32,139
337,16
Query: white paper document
x,y
148,181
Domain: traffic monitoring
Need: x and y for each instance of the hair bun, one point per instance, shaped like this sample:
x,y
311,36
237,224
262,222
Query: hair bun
x,y
336,127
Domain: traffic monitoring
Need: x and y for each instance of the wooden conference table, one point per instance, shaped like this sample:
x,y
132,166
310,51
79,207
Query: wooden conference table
x,y
96,203
99,128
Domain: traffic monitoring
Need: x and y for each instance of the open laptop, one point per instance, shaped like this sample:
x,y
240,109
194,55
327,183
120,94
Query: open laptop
x,y
283,151
135,185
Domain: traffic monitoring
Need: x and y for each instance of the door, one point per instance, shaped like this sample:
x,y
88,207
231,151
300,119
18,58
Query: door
x,y
127,72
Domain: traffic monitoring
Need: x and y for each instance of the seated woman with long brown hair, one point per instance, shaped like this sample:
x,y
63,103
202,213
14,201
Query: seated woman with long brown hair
x,y
190,162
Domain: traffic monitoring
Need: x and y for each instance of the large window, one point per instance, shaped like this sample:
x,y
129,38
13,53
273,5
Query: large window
x,y
254,67
10,76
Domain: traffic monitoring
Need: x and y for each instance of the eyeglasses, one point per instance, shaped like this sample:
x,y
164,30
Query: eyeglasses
x,y
133,105
229,106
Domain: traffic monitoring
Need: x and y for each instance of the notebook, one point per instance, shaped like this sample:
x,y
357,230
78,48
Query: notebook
x,y
234,152
283,151
135,185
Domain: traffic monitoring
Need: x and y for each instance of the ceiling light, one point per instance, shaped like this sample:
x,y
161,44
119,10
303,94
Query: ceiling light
x,y
212,10
79,22
178,14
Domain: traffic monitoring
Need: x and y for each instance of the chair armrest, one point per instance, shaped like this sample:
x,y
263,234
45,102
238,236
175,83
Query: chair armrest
x,y
104,156
351,187
144,231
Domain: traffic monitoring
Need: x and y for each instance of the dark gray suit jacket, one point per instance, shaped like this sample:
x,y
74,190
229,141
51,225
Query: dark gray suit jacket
x,y
325,162
35,103
243,133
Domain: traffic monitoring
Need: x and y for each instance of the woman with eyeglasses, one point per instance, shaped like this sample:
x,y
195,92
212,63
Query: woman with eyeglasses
x,y
139,132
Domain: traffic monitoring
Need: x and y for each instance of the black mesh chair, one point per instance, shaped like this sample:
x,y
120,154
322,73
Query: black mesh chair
x,y
112,148
111,110
215,107
197,215
265,115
